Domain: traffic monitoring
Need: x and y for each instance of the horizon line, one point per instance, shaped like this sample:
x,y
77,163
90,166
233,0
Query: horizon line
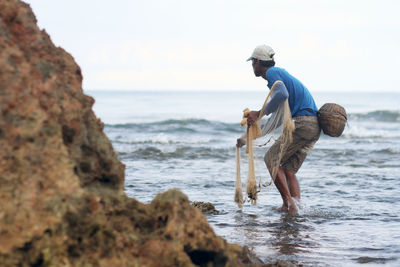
x,y
225,90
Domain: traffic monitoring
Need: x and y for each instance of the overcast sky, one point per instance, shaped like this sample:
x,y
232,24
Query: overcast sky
x,y
338,45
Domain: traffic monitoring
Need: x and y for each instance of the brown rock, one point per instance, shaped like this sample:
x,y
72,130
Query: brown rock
x,y
205,207
61,184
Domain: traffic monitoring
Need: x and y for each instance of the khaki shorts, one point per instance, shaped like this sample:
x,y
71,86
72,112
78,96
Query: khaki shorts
x,y
305,135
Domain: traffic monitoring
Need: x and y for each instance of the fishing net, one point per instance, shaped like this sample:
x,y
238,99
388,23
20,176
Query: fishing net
x,y
259,134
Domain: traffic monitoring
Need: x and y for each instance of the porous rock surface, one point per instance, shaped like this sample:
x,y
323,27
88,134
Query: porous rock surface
x,y
61,184
205,207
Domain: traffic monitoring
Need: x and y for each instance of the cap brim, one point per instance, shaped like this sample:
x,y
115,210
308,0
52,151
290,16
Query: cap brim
x,y
250,58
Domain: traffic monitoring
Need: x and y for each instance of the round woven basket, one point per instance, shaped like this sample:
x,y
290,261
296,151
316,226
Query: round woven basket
x,y
332,119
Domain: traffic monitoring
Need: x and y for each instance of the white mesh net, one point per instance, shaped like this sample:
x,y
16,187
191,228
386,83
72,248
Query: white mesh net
x,y
260,134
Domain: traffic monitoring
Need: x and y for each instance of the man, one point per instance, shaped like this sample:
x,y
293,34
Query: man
x,y
304,114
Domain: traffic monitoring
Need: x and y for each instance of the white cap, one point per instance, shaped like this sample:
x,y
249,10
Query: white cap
x,y
262,52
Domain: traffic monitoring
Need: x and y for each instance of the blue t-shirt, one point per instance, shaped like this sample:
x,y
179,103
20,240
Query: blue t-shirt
x,y
300,98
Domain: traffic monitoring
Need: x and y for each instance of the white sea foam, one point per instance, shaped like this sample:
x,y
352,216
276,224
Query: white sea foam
x,y
372,130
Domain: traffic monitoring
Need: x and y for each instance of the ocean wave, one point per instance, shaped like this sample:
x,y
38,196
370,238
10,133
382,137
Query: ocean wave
x,y
374,124
377,115
370,130
182,152
162,139
388,151
192,125
182,126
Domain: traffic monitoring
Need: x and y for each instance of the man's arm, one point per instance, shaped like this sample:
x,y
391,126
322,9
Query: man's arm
x,y
279,95
241,141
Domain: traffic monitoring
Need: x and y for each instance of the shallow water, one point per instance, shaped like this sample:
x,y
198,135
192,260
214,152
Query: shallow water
x,y
349,213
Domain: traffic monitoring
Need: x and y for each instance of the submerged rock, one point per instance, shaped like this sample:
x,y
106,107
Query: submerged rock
x,y
61,183
205,207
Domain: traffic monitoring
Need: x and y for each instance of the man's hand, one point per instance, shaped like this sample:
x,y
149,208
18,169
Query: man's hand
x,y
252,117
240,142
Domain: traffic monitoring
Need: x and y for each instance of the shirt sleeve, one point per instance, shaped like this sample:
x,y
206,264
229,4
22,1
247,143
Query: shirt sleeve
x,y
279,95
273,74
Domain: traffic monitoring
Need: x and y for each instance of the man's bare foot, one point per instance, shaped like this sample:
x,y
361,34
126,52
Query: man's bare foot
x,y
292,206
284,208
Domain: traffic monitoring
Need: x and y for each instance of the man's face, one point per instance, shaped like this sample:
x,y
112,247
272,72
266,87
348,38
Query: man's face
x,y
256,67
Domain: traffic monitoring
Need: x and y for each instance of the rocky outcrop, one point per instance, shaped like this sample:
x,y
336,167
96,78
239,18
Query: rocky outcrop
x,y
61,184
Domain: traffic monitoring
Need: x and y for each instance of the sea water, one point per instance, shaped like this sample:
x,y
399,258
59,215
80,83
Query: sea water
x,y
350,208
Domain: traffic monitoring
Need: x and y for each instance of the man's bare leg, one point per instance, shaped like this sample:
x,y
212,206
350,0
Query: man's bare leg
x,y
281,184
293,184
